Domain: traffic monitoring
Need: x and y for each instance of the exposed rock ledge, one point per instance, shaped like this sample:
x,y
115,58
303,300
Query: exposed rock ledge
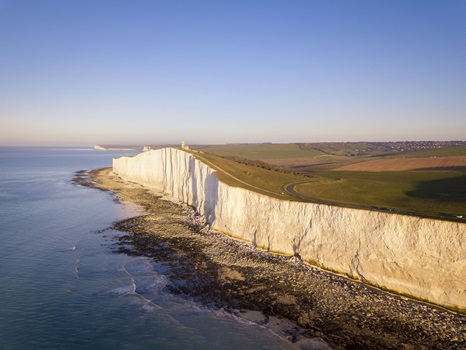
x,y
420,257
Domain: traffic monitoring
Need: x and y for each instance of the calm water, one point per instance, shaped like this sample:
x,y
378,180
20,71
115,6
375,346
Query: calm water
x,y
61,287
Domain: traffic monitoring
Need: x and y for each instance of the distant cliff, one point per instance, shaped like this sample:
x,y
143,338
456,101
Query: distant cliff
x,y
116,148
420,257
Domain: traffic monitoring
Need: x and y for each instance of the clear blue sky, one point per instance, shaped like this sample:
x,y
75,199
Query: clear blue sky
x,y
89,72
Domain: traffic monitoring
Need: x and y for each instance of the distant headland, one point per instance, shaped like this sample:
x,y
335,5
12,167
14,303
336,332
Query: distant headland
x,y
116,148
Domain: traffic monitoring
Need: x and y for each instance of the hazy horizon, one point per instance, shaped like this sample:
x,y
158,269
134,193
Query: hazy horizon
x,y
168,144
80,73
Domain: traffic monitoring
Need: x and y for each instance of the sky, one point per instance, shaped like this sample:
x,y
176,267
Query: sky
x,y
81,72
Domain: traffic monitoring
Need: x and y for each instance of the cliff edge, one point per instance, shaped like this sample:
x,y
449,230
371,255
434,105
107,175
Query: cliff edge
x,y
419,257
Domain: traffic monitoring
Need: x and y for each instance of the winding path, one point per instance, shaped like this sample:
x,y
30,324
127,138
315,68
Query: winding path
x,y
290,189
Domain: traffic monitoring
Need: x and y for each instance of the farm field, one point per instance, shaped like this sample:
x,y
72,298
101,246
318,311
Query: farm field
x,y
262,151
408,164
426,185
310,164
292,157
306,158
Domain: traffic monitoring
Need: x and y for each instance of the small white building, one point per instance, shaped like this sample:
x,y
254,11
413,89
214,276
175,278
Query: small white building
x,y
184,146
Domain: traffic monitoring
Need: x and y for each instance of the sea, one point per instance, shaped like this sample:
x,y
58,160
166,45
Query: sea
x,y
63,286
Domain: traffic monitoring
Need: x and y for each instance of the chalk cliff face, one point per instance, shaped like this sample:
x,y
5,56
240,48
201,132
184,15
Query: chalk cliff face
x,y
424,258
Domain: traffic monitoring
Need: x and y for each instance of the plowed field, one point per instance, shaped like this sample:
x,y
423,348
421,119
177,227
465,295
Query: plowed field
x,y
407,164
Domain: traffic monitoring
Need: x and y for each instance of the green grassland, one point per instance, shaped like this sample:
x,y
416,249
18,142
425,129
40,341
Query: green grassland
x,y
363,149
262,151
307,150
299,150
257,179
416,191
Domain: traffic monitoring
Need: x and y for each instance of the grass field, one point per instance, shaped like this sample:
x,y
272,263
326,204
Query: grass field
x,y
292,157
310,164
427,191
262,151
408,164
254,178
360,150
344,148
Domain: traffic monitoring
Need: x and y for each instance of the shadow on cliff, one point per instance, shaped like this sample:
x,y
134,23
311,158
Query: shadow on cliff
x,y
210,195
192,171
442,190
211,188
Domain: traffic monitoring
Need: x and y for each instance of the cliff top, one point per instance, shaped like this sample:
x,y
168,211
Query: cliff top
x,y
439,194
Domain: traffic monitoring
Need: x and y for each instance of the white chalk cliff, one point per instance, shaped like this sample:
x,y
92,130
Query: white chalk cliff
x,y
421,257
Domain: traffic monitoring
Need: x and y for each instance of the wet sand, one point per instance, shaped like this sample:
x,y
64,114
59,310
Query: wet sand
x,y
225,273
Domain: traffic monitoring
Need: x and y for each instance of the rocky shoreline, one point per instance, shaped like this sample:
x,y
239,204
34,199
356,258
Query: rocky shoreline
x,y
223,272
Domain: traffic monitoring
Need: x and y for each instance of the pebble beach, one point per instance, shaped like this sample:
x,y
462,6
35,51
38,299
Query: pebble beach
x,y
312,308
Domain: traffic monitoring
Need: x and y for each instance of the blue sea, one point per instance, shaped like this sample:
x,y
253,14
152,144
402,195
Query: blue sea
x,y
63,287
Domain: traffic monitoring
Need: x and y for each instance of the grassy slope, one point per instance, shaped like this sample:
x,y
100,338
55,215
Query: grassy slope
x,y
257,179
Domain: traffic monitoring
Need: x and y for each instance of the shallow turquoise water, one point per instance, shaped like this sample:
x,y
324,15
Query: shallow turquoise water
x,y
62,287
